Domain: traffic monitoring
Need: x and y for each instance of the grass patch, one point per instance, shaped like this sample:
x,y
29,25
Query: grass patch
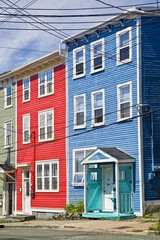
x,y
137,230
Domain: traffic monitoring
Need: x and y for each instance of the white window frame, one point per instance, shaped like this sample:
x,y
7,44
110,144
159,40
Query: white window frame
x,y
93,109
5,138
45,113
74,62
74,165
118,35
6,97
26,116
45,83
42,163
75,112
119,86
93,44
28,89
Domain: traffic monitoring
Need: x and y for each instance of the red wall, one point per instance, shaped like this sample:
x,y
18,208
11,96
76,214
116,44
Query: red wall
x,y
46,150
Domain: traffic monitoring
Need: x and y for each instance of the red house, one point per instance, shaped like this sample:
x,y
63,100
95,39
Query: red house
x,y
41,131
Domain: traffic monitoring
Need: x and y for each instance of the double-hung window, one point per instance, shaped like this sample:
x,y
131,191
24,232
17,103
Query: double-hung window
x,y
8,134
124,46
46,125
124,96
26,128
47,176
26,90
8,96
78,169
80,111
97,56
46,82
98,108
79,62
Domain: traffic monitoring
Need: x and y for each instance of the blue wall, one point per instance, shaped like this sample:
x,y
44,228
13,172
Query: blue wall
x,y
123,134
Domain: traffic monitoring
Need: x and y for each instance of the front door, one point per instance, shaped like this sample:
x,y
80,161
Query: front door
x,y
26,198
94,189
125,189
107,188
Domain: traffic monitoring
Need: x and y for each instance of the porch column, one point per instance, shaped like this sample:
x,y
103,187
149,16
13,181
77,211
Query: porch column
x,y
85,186
117,188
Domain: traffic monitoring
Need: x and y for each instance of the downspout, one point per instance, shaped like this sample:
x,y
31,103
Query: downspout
x,y
152,145
33,167
140,122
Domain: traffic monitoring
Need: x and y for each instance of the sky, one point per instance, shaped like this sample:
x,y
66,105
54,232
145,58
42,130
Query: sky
x,y
22,39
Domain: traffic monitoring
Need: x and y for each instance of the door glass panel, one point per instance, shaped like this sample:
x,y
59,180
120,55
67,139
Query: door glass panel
x,y
26,188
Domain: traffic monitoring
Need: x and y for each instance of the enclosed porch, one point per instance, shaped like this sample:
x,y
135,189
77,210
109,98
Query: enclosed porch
x,y
108,184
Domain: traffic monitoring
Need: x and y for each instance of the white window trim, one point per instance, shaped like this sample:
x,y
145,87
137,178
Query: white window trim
x,y
46,94
24,116
74,62
47,162
118,34
92,101
74,173
84,125
5,102
92,55
5,128
24,90
45,111
118,101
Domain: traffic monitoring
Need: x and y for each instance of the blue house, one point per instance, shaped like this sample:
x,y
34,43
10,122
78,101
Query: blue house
x,y
113,134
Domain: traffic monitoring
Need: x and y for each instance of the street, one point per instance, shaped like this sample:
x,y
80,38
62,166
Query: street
x,y
52,234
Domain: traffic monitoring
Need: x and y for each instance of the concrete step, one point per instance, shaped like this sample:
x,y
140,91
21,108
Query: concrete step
x,y
18,218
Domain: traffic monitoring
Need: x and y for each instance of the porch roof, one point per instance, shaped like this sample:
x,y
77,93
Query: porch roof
x,y
7,168
108,155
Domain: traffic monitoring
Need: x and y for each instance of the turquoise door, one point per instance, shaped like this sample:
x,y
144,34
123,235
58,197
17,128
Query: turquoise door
x,y
94,189
125,190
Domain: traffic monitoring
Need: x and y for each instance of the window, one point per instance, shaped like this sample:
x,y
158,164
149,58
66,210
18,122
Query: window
x,y
97,56
8,96
26,89
47,176
46,83
78,169
46,125
80,111
124,95
79,62
98,109
26,129
124,46
8,134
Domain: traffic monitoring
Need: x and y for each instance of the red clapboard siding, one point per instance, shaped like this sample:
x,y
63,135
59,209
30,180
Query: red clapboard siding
x,y
55,149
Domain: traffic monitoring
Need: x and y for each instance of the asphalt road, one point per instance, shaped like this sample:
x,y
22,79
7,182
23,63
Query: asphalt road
x,y
50,234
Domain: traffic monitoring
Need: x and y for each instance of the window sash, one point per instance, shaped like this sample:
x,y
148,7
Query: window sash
x,y
97,55
98,110
79,62
8,96
46,125
46,83
79,106
8,134
26,129
47,176
26,89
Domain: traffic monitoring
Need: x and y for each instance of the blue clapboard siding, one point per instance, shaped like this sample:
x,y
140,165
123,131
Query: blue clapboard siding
x,y
151,96
123,135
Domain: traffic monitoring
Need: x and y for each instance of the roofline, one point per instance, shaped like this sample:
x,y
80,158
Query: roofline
x,y
47,58
129,14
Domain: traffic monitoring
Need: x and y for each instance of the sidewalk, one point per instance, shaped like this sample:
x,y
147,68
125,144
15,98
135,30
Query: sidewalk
x,y
136,226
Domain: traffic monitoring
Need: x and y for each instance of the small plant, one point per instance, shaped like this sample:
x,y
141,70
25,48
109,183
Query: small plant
x,y
156,227
75,207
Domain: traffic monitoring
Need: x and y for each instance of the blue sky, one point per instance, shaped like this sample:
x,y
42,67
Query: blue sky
x,y
18,47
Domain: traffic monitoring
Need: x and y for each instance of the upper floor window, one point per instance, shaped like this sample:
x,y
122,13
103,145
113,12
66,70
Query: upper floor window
x,y
124,46
8,134
46,125
47,176
80,111
124,95
97,56
98,108
26,128
8,96
78,169
26,89
79,62
45,83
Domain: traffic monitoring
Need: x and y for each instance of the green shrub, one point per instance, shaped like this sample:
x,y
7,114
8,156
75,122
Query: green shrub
x,y
74,207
